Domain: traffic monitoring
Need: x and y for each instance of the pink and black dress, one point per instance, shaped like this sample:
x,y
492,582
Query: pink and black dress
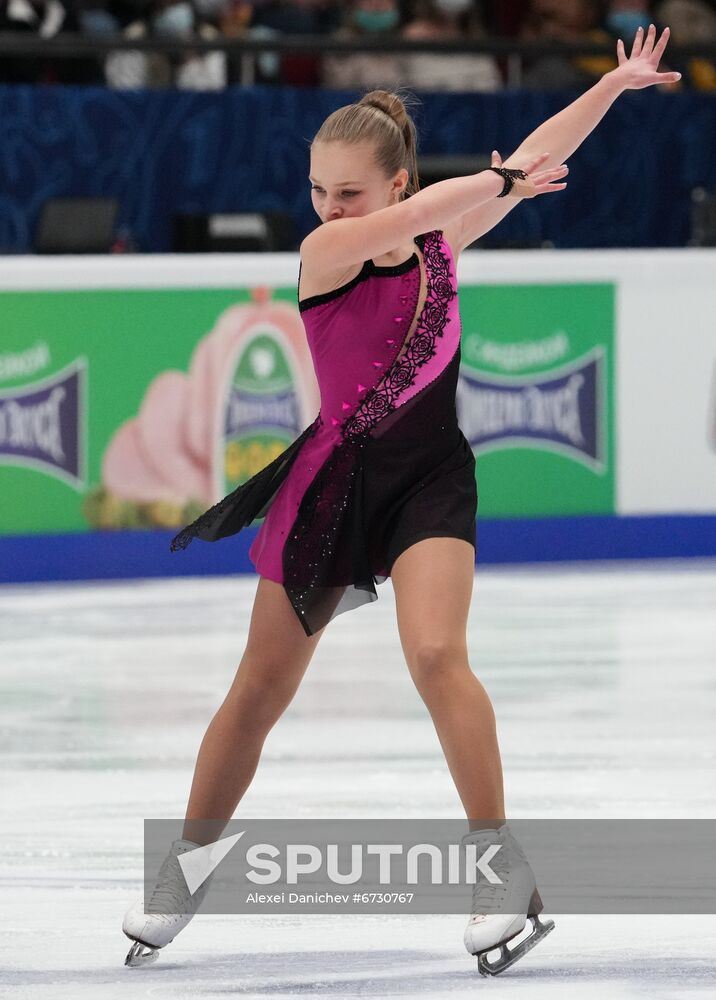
x,y
384,464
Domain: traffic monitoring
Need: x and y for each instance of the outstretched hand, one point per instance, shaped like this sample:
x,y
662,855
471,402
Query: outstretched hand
x,y
640,69
538,181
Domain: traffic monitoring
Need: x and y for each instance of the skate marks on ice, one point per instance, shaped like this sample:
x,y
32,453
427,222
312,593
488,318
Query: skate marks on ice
x,y
211,967
603,685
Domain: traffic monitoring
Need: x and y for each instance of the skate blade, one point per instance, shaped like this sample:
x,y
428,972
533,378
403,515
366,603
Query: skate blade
x,y
135,955
509,956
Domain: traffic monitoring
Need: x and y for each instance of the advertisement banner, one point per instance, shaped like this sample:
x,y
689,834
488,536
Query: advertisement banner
x,y
136,392
140,408
536,397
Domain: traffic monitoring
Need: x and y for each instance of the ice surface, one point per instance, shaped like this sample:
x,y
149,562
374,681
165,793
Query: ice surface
x,y
603,680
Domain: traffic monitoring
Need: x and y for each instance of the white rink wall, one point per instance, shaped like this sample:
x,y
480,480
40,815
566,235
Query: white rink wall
x,y
665,342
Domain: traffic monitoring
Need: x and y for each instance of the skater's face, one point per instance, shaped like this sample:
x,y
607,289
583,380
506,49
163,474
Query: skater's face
x,y
347,182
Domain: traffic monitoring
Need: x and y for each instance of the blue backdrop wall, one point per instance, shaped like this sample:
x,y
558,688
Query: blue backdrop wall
x,y
246,149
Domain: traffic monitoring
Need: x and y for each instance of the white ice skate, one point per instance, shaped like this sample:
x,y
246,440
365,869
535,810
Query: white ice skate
x,y
153,930
517,893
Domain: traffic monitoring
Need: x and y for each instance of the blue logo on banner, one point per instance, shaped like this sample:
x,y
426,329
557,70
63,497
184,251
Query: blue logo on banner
x,y
41,425
562,411
248,413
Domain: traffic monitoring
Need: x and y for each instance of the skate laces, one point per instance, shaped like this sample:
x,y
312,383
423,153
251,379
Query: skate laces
x,y
171,888
503,864
488,892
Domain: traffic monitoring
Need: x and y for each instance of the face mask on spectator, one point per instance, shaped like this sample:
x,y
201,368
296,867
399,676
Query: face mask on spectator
x,y
625,22
451,8
376,20
175,20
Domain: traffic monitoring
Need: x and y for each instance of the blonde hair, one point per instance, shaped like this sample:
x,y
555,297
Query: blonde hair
x,y
380,117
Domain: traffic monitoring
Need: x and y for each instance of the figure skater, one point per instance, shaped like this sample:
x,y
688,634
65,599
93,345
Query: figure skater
x,y
382,482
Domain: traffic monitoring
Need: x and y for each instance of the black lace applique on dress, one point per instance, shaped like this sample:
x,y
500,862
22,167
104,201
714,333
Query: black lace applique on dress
x,y
431,324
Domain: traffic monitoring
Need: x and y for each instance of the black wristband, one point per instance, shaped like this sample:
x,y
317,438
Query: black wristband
x,y
508,174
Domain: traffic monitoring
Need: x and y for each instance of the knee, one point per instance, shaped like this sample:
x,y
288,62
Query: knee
x,y
434,665
260,702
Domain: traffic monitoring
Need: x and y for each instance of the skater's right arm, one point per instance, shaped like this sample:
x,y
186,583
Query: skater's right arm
x,y
340,243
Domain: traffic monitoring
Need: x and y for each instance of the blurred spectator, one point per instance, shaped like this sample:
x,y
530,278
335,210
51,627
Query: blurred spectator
x,y
568,21
210,11
623,17
503,18
97,18
45,18
107,17
39,17
296,17
267,19
690,21
444,20
560,20
191,71
357,70
235,19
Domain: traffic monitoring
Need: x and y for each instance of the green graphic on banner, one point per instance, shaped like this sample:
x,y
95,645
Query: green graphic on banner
x,y
141,408
536,397
130,408
261,416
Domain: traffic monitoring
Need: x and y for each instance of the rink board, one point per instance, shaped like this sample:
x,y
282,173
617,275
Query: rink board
x,y
587,392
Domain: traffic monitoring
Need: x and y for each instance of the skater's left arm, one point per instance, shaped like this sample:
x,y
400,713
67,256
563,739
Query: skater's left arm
x,y
564,132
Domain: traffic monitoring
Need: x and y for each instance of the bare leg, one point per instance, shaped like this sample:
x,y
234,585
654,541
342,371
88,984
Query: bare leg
x,y
433,581
277,654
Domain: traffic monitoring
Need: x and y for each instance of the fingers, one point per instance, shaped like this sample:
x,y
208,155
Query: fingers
x,y
649,40
496,160
621,54
543,186
660,46
546,175
536,162
644,45
636,47
545,181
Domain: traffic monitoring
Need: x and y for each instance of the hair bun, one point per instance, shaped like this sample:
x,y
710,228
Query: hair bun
x,y
388,102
